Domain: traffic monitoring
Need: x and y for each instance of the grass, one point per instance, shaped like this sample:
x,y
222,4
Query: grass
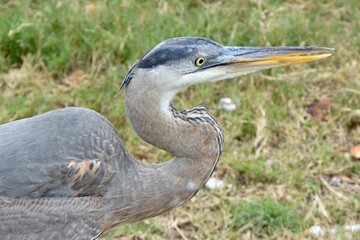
x,y
265,217
278,159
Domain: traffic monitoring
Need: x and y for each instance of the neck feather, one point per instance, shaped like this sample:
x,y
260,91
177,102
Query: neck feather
x,y
193,136
190,134
193,133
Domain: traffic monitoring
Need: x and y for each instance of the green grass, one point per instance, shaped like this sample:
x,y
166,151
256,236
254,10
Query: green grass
x,y
265,217
255,170
276,155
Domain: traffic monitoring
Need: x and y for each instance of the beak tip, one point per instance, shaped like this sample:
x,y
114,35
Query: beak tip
x,y
329,49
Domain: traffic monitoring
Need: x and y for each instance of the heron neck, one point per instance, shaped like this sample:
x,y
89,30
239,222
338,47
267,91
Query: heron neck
x,y
196,144
192,134
152,189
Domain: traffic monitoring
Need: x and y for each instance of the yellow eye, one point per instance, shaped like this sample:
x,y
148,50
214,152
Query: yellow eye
x,y
199,61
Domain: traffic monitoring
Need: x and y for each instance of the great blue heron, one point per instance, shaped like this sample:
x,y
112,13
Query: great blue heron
x,y
66,174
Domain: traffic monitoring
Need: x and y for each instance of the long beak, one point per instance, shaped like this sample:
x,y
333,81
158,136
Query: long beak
x,y
249,59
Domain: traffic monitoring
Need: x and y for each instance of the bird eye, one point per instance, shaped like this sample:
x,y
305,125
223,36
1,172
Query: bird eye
x,y
199,61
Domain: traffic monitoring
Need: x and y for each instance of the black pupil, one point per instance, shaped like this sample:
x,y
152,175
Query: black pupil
x,y
200,61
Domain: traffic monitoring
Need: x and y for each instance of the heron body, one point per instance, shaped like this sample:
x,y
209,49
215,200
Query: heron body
x,y
66,174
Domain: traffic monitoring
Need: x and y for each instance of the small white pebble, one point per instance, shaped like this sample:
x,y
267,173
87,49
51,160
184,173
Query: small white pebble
x,y
225,101
226,104
214,183
229,107
352,228
335,181
317,231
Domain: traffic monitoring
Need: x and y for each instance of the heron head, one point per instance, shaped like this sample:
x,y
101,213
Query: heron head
x,y
178,63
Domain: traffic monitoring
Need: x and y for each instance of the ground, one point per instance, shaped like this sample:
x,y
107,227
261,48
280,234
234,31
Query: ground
x,y
287,164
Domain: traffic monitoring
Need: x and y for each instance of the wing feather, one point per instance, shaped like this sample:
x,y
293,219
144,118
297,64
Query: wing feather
x,y
66,152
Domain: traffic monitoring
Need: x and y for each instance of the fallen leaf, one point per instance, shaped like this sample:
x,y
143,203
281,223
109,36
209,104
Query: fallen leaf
x,y
355,151
318,109
354,121
73,78
345,178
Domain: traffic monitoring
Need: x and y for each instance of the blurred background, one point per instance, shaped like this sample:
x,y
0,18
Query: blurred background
x,y
290,166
